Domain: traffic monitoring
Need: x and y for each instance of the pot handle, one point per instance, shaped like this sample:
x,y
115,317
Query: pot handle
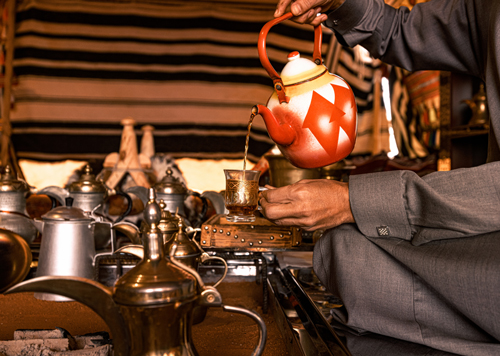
x,y
259,349
264,60
206,257
210,297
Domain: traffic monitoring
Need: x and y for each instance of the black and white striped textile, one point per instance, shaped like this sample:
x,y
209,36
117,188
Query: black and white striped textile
x,y
189,68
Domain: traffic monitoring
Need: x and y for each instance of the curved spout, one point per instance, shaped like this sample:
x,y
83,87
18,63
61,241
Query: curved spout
x,y
282,134
90,293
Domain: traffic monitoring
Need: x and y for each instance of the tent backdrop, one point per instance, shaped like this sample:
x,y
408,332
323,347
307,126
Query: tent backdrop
x,y
190,69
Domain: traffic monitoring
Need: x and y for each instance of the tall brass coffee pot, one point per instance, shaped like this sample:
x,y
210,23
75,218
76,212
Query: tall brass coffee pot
x,y
149,309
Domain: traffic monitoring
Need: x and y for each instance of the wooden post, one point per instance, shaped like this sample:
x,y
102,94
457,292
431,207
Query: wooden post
x,y
5,151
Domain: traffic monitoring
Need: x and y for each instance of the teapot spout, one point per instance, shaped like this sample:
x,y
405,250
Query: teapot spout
x,y
88,292
282,134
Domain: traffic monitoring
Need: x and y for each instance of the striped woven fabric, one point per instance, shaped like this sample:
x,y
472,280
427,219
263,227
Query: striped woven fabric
x,y
190,69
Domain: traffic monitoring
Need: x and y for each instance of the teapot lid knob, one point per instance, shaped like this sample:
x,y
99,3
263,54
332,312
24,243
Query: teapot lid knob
x,y
293,55
69,201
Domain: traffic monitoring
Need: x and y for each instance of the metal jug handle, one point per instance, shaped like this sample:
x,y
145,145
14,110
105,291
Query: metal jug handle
x,y
210,297
258,320
205,256
113,238
264,60
127,211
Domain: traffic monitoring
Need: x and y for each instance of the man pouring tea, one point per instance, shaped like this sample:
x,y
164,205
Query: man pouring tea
x,y
413,258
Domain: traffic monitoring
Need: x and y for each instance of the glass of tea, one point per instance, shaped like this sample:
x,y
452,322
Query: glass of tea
x,y
242,194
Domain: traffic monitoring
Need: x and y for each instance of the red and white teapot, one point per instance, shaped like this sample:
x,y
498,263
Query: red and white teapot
x,y
312,114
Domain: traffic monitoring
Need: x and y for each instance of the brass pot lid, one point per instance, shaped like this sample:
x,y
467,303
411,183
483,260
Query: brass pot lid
x,y
87,183
10,183
170,185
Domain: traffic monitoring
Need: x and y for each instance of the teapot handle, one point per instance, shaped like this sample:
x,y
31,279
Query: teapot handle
x,y
264,60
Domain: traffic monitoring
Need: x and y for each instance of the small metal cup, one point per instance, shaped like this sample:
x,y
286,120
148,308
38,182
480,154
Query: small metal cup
x,y
241,195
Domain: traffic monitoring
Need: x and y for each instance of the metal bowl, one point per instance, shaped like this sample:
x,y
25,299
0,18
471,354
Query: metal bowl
x,y
15,259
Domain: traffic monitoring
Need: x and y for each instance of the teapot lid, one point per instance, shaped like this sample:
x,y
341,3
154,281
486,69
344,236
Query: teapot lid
x,y
66,213
9,183
170,184
155,280
299,69
87,183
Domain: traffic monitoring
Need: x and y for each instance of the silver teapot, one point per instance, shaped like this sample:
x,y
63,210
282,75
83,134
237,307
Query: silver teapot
x,y
13,214
149,309
87,192
67,247
170,189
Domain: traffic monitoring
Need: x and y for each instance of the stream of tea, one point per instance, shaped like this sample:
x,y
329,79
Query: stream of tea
x,y
250,121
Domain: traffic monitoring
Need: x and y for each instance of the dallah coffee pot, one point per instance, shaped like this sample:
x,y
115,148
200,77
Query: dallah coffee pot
x,y
149,309
312,114
479,106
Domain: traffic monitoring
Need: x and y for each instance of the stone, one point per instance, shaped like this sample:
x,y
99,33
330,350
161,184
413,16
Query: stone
x,y
24,334
33,347
92,340
104,350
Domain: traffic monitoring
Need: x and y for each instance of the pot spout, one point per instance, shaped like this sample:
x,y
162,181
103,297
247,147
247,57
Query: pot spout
x,y
282,134
88,292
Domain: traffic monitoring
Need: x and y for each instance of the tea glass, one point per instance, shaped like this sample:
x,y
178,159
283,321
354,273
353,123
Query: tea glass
x,y
242,194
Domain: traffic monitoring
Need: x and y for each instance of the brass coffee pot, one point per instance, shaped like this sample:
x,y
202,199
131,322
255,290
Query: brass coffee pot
x,y
478,105
149,309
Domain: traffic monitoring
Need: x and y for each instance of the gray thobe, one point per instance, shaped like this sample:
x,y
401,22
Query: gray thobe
x,y
422,262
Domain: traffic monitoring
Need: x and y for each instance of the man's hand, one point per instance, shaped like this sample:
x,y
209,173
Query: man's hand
x,y
311,204
306,11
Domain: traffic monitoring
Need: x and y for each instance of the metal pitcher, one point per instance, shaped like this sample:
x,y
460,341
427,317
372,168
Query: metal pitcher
x,y
68,244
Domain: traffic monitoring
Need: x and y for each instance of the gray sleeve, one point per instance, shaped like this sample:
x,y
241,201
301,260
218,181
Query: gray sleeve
x,y
436,35
440,205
